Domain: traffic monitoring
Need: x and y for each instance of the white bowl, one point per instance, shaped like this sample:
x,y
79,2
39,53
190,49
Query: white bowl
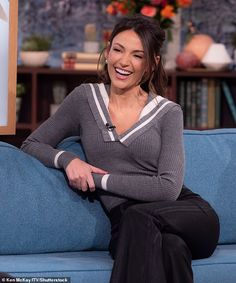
x,y
34,58
216,57
216,66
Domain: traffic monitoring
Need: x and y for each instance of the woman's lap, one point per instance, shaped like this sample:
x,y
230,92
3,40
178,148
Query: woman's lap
x,y
190,217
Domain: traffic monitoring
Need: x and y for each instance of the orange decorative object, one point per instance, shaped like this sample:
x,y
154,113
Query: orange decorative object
x,y
186,60
184,3
149,11
168,12
199,45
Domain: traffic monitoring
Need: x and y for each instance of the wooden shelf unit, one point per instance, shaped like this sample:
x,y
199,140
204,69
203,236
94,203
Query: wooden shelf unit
x,y
39,83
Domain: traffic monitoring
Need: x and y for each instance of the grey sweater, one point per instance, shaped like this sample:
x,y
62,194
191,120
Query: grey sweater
x,y
145,163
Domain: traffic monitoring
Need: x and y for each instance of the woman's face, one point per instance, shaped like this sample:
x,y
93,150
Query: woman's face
x,y
126,61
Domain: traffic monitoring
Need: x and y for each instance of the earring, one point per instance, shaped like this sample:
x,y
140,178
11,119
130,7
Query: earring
x,y
106,61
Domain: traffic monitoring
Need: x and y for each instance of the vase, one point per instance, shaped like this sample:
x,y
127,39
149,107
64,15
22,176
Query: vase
x,y
34,58
173,46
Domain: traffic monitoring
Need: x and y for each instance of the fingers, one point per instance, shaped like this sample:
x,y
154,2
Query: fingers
x,y
83,183
91,184
79,174
98,170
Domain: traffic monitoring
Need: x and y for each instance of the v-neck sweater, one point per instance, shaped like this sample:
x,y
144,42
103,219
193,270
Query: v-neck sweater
x,y
145,163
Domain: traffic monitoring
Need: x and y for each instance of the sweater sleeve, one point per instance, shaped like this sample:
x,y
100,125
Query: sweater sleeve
x,y
166,184
64,123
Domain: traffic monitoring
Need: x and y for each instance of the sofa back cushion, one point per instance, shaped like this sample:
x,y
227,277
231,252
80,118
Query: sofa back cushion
x,y
211,171
40,212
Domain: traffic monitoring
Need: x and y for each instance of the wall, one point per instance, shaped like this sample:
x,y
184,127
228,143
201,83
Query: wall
x,y
214,18
64,20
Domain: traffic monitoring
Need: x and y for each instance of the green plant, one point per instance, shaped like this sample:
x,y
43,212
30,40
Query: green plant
x,y
20,89
36,43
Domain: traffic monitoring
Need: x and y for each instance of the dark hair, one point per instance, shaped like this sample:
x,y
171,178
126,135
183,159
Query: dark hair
x,y
152,38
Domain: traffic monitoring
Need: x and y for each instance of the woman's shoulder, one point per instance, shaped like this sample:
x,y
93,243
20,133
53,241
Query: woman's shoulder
x,y
164,103
89,89
81,92
172,105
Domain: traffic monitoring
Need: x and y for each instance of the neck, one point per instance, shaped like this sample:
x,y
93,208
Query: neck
x,y
127,98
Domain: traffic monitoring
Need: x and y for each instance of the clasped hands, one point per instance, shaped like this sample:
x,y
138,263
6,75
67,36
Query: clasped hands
x,y
79,174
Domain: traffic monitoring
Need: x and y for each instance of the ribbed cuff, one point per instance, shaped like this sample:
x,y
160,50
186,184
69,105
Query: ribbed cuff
x,y
65,158
100,180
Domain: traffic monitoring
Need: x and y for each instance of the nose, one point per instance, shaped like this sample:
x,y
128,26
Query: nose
x,y
124,59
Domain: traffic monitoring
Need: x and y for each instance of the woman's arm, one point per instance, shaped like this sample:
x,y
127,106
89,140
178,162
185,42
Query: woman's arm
x,y
167,183
64,123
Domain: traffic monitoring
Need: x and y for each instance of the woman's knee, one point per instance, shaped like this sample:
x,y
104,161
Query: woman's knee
x,y
175,245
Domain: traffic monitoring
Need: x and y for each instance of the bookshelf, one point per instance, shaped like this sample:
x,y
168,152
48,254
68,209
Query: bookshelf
x,y
39,87
201,92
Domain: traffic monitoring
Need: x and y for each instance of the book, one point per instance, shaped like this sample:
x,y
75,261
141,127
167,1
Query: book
x,y
229,99
204,104
87,66
82,57
217,104
198,102
194,104
211,104
188,106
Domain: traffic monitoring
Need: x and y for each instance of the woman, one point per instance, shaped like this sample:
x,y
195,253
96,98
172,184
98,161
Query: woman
x,y
133,140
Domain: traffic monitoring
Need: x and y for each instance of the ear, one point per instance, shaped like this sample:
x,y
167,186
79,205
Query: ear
x,y
157,59
106,52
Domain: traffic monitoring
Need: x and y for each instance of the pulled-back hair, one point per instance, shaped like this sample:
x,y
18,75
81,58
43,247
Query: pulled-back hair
x,y
152,38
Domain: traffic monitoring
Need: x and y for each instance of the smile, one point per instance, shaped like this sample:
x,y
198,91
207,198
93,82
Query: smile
x,y
123,72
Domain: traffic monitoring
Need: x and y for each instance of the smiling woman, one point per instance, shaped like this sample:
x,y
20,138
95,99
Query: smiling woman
x,y
8,59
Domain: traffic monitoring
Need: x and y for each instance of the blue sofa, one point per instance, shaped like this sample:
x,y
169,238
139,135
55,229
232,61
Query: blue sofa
x,y
49,230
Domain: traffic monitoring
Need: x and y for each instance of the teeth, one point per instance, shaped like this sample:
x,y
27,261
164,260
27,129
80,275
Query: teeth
x,y
122,72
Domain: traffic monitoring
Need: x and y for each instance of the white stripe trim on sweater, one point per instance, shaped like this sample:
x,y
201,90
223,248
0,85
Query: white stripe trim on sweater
x,y
100,111
144,123
150,106
104,94
56,158
104,181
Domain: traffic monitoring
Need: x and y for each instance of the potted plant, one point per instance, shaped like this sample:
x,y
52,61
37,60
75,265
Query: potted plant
x,y
20,91
35,51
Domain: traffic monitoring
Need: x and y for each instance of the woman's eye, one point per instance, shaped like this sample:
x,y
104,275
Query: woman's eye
x,y
116,49
138,56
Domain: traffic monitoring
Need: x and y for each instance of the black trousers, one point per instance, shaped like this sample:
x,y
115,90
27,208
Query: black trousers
x,y
155,242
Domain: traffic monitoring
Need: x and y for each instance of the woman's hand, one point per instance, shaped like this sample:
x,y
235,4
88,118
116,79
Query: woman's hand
x,y
79,174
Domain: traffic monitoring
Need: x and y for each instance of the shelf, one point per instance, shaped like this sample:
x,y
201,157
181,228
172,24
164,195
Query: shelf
x,y
39,92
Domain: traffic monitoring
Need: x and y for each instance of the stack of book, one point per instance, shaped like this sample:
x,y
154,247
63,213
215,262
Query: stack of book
x,y
201,102
80,61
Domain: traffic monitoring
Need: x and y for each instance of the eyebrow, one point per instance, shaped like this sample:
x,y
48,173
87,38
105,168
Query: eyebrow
x,y
137,50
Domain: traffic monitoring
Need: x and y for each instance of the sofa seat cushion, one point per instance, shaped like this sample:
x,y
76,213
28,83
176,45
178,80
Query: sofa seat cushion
x,y
220,267
41,213
211,171
83,267
95,266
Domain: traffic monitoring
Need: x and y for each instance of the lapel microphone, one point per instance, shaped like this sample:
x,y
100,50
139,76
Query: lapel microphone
x,y
110,127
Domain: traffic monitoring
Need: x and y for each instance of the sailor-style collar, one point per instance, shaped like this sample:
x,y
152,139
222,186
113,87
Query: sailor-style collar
x,y
98,101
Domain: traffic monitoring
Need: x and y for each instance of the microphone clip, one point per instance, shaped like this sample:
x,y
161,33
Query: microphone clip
x,y
110,127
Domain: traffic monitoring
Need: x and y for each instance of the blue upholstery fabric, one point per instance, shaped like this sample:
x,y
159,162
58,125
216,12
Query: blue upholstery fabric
x,y
94,266
40,212
211,171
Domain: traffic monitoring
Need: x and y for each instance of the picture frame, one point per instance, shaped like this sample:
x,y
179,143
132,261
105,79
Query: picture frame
x,y
8,66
